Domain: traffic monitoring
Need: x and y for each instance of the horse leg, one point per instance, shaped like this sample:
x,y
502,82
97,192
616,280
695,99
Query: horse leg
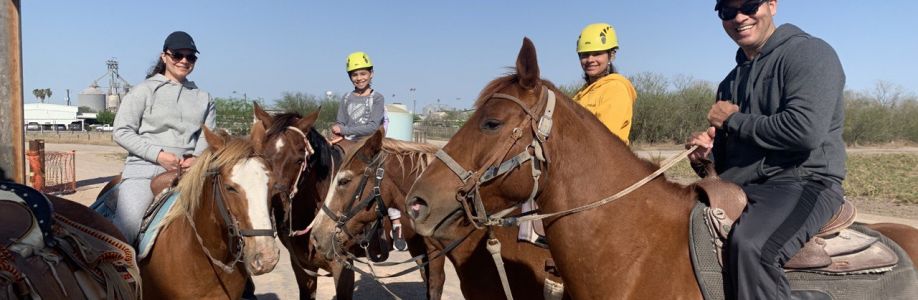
x,y
344,281
432,274
904,235
306,283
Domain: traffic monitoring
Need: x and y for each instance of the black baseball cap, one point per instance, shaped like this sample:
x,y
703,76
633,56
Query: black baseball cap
x,y
179,40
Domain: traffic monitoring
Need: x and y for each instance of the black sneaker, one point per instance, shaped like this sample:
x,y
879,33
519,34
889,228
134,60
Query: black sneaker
x,y
398,242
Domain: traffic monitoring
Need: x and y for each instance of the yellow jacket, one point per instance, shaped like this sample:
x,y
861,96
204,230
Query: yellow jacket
x,y
611,100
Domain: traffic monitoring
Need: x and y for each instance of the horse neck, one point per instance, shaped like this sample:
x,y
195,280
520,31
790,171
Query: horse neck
x,y
399,177
588,164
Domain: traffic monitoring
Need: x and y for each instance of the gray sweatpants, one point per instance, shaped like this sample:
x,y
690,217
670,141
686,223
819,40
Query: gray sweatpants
x,y
134,195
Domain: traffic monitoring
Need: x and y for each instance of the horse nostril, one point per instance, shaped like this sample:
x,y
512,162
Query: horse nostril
x,y
417,208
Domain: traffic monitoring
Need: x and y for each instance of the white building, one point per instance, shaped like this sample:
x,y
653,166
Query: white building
x,y
50,115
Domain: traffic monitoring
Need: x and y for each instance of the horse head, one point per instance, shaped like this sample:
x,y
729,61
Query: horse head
x,y
286,147
354,199
229,183
503,163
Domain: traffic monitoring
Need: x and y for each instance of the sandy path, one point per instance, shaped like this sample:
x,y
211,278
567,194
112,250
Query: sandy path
x,y
97,164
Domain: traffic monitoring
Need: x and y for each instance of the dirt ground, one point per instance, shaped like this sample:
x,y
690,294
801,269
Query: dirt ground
x,y
97,164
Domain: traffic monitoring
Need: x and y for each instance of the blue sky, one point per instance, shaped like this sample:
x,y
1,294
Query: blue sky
x,y
446,50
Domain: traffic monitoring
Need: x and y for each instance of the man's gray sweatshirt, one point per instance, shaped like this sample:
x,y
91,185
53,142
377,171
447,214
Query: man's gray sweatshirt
x,y
791,114
159,114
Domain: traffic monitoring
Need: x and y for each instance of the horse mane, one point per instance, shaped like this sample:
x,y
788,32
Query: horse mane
x,y
419,154
320,162
191,186
281,122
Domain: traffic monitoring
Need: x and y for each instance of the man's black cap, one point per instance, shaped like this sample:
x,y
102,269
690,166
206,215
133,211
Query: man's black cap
x,y
179,40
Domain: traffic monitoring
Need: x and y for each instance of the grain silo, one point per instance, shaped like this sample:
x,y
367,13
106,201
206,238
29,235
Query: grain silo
x,y
92,97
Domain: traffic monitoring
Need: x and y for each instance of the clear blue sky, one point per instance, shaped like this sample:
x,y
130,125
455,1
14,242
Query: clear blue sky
x,y
447,50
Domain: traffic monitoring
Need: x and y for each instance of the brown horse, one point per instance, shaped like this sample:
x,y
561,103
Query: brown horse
x,y
219,231
402,163
303,163
635,247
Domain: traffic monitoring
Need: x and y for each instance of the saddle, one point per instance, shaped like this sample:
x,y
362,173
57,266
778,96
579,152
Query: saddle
x,y
75,262
834,250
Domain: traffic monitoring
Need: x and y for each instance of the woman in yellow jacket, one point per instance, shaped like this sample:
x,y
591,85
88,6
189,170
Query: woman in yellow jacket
x,y
607,94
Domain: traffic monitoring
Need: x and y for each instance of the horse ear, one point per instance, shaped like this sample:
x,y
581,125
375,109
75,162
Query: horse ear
x,y
261,115
257,135
527,65
374,143
309,120
215,141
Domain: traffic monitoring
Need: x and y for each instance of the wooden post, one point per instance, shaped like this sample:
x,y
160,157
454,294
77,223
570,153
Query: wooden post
x,y
12,149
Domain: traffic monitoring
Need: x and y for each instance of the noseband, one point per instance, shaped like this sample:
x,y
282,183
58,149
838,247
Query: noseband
x,y
468,194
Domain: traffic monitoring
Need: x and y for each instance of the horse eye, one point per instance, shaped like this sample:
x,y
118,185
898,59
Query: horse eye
x,y
491,124
343,181
231,189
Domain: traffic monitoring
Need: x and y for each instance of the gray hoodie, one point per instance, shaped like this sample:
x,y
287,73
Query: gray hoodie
x,y
791,114
361,116
159,114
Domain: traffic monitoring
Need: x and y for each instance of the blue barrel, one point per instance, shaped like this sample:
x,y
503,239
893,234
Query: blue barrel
x,y
401,122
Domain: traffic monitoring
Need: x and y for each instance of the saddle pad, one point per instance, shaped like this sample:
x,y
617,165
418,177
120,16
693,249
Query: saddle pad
x,y
146,239
901,282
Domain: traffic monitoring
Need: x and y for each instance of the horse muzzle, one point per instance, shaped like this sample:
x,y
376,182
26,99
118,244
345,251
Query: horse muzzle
x,y
261,254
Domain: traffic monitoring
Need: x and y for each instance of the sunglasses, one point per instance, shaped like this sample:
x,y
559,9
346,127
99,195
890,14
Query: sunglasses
x,y
727,13
179,56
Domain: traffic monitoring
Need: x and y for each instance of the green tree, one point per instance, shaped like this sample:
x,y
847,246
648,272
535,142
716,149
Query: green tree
x,y
47,94
234,114
85,109
105,117
39,95
304,103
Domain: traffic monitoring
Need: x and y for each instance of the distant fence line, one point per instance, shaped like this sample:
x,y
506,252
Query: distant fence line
x,y
72,137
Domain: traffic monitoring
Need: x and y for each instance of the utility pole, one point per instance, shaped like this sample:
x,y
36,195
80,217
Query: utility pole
x,y
12,138
414,101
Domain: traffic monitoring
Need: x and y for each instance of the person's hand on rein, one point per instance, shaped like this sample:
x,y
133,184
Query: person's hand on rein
x,y
168,160
704,140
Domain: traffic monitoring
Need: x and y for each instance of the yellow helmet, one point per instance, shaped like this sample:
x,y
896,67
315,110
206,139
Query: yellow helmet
x,y
358,60
597,37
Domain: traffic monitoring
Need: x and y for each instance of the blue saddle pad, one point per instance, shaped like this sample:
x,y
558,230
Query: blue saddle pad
x,y
147,238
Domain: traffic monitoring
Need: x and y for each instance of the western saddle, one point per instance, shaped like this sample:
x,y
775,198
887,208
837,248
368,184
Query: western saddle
x,y
834,250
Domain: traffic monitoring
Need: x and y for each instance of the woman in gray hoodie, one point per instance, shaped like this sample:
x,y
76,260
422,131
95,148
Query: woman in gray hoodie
x,y
159,124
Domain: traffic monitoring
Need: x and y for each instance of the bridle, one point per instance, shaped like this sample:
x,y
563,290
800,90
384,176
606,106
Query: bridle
x,y
468,194
375,172
235,235
294,187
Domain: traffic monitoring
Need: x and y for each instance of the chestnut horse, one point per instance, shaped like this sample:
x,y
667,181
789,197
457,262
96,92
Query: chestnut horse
x,y
219,231
636,247
303,163
402,162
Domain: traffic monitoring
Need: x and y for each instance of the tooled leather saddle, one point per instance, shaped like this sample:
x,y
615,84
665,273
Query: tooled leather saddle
x,y
834,250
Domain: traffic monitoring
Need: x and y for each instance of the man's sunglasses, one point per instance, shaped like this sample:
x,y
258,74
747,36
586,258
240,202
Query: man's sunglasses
x,y
179,56
727,13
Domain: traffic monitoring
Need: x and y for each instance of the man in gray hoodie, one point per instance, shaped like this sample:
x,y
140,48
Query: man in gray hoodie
x,y
776,130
